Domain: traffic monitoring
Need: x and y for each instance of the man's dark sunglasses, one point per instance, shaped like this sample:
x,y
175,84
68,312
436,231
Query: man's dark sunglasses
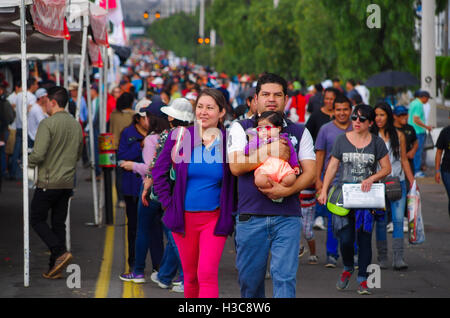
x,y
361,118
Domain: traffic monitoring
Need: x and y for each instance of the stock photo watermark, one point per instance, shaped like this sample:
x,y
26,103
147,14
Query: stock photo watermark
x,y
374,19
74,279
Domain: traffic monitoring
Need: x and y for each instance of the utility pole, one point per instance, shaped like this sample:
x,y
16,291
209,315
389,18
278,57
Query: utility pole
x,y
428,56
446,30
275,3
201,30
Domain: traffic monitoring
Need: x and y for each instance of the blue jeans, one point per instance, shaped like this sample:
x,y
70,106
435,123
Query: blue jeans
x,y
17,153
397,212
332,242
170,262
418,156
347,237
149,235
321,210
445,176
254,239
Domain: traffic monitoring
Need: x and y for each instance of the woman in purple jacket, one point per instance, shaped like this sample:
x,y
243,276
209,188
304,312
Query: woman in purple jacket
x,y
198,210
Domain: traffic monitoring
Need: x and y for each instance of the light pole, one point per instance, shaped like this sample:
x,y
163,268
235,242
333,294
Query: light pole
x,y
201,30
428,56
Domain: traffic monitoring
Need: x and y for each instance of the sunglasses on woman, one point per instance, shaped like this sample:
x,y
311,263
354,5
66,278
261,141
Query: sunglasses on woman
x,y
361,118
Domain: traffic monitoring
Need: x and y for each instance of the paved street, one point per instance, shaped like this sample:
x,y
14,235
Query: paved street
x,y
100,253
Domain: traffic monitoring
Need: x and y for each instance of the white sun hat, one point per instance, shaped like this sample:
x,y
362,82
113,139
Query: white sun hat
x,y
179,108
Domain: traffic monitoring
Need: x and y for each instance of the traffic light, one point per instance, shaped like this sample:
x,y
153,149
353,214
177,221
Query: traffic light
x,y
200,40
157,15
207,41
145,15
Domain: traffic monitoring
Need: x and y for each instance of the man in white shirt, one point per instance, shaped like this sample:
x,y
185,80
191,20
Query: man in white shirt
x,y
364,92
32,85
36,114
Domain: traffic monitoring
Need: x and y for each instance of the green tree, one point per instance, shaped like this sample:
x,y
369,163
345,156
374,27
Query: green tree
x,y
363,51
315,33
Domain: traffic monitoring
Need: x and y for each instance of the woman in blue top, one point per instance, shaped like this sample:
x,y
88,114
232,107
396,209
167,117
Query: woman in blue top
x,y
199,208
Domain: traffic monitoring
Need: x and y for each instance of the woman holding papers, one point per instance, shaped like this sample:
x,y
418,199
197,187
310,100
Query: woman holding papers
x,y
357,154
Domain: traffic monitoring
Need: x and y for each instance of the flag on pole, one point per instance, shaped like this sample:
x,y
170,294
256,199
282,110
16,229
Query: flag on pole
x,y
48,17
115,14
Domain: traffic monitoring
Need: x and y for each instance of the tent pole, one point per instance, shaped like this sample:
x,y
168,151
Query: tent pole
x,y
68,240
100,112
91,142
100,92
105,92
26,230
58,79
66,63
83,57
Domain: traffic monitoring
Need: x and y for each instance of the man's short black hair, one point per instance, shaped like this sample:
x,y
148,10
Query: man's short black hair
x,y
318,87
31,81
342,99
270,78
59,94
351,81
335,91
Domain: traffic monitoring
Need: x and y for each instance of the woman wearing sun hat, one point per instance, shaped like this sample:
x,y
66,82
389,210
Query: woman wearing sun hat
x,y
179,113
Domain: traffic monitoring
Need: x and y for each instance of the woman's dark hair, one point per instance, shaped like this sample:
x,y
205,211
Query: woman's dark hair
x,y
124,101
218,97
136,118
335,91
366,111
156,124
389,128
275,118
177,123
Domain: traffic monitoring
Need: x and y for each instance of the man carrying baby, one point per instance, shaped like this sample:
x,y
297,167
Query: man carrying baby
x,y
263,223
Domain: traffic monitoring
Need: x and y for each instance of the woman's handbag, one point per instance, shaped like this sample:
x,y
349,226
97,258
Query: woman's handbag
x,y
393,188
335,201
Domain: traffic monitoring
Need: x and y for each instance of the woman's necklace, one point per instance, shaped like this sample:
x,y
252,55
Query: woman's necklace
x,y
362,150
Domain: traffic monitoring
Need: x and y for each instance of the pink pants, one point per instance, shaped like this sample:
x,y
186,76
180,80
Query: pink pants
x,y
200,252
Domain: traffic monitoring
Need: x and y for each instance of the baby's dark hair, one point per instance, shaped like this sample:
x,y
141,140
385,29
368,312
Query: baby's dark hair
x,y
275,118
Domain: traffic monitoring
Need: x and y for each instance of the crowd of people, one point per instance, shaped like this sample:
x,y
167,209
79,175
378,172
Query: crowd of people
x,y
203,156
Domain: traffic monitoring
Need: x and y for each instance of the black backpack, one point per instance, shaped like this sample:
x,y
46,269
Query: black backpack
x,y
7,113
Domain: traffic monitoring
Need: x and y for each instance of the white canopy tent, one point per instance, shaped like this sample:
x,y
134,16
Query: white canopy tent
x,y
15,27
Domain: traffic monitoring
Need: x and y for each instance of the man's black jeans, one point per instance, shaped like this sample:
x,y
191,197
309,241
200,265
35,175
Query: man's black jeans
x,y
57,201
